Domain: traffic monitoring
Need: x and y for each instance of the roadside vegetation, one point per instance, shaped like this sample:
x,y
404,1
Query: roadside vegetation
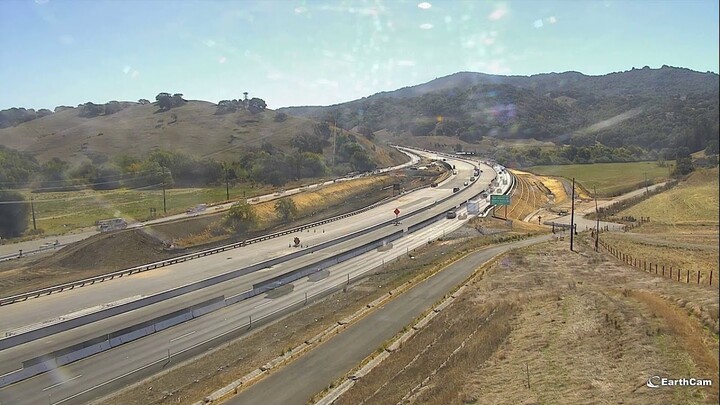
x,y
546,325
682,230
190,381
109,252
610,179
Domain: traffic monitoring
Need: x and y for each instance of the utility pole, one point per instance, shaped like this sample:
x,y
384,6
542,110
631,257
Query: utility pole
x,y
572,216
334,136
163,187
227,184
32,208
597,222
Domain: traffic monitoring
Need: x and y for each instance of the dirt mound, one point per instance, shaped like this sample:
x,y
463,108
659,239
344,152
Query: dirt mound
x,y
182,228
109,251
703,176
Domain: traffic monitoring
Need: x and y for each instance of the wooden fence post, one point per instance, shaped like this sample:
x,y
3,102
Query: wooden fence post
x,y
688,277
711,277
698,274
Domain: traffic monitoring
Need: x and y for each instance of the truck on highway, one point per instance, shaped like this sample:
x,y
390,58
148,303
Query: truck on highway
x,y
473,207
113,224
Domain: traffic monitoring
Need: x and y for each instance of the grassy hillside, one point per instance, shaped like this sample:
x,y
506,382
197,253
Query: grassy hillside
x,y
652,109
693,201
192,128
609,178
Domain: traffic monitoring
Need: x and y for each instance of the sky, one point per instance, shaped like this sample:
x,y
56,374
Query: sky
x,y
301,52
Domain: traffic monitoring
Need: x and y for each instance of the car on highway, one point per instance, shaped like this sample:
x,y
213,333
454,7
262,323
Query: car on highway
x,y
465,184
451,215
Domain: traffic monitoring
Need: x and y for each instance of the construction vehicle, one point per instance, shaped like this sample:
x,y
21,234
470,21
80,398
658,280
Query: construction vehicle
x,y
109,225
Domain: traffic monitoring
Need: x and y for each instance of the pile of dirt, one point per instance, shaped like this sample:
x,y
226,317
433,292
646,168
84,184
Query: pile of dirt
x,y
108,252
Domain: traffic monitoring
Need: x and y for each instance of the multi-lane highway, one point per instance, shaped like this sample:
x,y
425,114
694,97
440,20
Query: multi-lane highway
x,y
12,250
94,375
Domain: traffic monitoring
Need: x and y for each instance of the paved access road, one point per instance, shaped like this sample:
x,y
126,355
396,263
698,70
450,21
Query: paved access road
x,y
92,377
297,382
33,246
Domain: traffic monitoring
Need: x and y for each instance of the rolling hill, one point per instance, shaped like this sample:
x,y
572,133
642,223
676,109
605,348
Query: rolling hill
x,y
136,129
649,108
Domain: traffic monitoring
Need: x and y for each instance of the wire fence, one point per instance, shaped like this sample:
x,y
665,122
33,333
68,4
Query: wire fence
x,y
659,269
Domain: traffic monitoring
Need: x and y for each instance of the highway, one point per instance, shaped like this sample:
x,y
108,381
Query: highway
x,y
11,250
50,308
294,385
147,355
142,351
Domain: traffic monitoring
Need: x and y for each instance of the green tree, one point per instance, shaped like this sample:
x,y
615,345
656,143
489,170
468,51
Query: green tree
x,y
362,162
14,216
286,209
683,163
241,217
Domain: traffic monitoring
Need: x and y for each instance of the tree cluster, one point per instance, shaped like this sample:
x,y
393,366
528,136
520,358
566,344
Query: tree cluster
x,y
254,105
165,101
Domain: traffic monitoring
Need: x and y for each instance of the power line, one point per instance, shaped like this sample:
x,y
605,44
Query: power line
x,y
80,197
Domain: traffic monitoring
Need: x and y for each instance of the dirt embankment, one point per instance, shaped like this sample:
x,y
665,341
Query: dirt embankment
x,y
545,325
105,253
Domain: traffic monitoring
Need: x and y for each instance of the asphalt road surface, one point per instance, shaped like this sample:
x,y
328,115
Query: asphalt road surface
x,y
93,377
51,307
297,382
29,247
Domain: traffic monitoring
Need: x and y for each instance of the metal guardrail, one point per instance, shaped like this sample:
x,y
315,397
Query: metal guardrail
x,y
14,340
184,258
192,256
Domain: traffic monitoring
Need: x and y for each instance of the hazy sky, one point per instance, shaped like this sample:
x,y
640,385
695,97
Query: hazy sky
x,y
295,52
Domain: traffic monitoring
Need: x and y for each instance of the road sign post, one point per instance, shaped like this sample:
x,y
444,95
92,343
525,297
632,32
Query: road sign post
x,y
396,212
499,199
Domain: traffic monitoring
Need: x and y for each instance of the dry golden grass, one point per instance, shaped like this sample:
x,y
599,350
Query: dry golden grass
x,y
139,129
556,188
570,329
693,201
526,198
684,257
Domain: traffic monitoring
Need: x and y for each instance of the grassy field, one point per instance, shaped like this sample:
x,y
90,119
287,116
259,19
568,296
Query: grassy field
x,y
683,232
693,201
610,178
543,325
60,212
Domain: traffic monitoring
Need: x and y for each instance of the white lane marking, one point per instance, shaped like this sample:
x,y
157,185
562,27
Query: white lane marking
x,y
182,336
263,304
61,383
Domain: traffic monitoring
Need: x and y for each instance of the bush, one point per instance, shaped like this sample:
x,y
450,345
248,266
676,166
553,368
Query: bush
x,y
13,217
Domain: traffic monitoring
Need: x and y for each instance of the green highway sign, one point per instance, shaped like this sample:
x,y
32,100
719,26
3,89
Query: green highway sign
x,y
498,199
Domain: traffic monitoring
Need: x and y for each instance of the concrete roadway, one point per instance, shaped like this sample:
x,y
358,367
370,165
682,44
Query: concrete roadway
x,y
92,377
12,358
313,372
32,246
49,308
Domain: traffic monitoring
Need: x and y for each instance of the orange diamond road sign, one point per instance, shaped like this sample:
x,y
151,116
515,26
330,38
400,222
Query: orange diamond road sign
x,y
397,212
